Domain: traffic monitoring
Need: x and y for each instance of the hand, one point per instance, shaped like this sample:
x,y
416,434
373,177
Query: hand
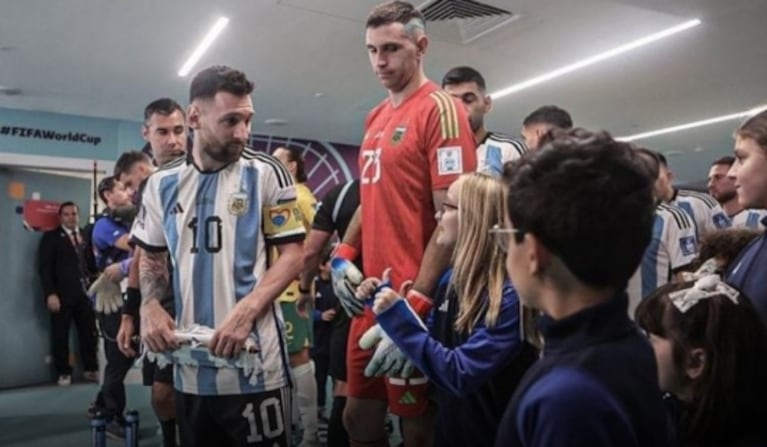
x,y
114,272
345,279
54,303
157,327
229,338
387,358
109,298
124,336
328,315
303,304
386,297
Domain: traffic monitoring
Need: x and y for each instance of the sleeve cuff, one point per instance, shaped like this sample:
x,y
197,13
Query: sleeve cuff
x,y
148,247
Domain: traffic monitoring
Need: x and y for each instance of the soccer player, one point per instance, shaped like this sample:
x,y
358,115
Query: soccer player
x,y
164,130
750,172
705,212
721,186
596,382
417,142
299,327
494,149
537,126
218,214
673,246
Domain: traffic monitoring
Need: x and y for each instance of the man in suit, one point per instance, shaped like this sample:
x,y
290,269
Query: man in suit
x,y
65,276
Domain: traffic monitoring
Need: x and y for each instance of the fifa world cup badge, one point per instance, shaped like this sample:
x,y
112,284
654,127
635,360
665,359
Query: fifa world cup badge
x,y
238,203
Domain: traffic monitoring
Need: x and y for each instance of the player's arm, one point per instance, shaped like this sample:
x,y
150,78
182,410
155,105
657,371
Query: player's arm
x,y
156,325
436,257
353,236
681,245
313,246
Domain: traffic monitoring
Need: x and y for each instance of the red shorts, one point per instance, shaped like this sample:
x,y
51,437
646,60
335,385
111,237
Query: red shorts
x,y
406,397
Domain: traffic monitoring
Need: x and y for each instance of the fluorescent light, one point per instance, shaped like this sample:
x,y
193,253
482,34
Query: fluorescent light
x,y
694,124
203,46
665,130
596,58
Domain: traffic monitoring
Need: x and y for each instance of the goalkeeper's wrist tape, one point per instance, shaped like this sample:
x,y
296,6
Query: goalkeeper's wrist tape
x,y
132,302
420,303
346,251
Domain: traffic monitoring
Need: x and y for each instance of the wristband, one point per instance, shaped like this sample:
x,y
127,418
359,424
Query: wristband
x,y
346,251
132,302
420,303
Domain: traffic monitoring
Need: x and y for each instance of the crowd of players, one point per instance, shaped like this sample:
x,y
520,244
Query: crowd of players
x,y
554,290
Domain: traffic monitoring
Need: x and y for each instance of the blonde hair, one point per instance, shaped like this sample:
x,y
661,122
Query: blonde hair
x,y
478,263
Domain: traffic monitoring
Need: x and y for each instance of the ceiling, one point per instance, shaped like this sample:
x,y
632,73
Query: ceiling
x,y
110,58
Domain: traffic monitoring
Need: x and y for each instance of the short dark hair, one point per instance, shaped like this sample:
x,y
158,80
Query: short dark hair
x,y
66,204
602,198
728,160
652,161
219,78
106,184
394,12
297,155
128,160
552,115
162,106
459,75
662,159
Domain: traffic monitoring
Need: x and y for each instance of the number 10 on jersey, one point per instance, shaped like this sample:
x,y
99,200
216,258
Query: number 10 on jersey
x,y
211,232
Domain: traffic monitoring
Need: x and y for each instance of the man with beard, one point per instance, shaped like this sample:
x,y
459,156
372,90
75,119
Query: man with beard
x,y
493,149
722,187
217,214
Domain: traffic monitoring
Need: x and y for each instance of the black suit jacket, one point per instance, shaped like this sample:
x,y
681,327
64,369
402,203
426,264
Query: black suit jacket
x,y
61,271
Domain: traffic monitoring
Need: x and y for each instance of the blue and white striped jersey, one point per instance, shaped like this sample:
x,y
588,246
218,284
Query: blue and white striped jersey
x,y
673,246
216,226
497,149
705,211
749,218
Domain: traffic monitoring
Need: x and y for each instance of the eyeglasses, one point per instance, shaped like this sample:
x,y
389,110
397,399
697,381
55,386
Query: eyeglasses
x,y
501,236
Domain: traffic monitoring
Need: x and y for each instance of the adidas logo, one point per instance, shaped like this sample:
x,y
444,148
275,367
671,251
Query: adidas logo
x,y
408,399
176,209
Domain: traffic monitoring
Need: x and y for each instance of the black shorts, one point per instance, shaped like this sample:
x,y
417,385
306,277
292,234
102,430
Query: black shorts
x,y
152,373
337,368
261,419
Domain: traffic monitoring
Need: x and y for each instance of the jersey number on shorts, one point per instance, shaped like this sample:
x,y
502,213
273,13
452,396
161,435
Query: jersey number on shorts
x,y
371,170
212,229
271,420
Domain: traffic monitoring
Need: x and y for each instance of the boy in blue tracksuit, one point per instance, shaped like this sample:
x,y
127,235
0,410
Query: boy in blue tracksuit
x,y
580,216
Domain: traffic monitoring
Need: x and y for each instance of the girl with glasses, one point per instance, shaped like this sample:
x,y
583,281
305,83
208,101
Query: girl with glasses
x,y
472,349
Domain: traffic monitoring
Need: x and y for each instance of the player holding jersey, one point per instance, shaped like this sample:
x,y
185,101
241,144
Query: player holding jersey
x,y
416,143
494,149
217,214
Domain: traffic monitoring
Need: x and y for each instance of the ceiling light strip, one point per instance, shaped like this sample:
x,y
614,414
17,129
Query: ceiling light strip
x,y
596,58
206,42
694,124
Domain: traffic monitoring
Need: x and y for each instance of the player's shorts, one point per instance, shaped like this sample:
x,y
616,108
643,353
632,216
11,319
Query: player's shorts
x,y
338,338
152,373
406,397
299,331
243,420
